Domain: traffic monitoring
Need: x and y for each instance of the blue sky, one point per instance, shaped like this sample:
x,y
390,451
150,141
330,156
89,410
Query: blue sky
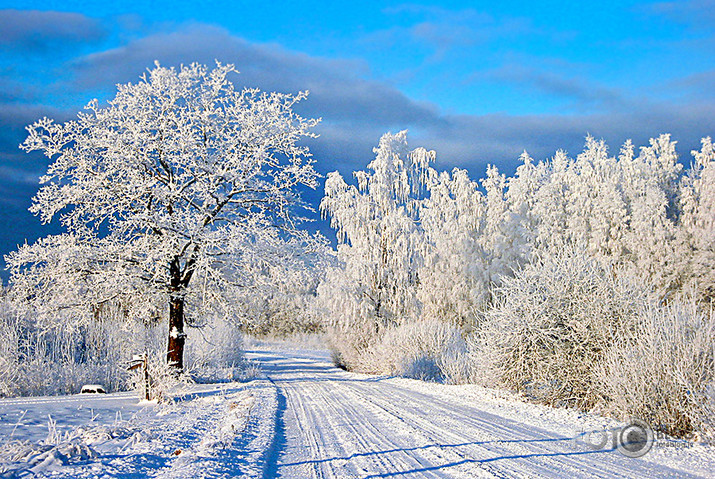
x,y
477,81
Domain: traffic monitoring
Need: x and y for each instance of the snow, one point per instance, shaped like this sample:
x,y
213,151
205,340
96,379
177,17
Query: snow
x,y
175,333
305,418
206,428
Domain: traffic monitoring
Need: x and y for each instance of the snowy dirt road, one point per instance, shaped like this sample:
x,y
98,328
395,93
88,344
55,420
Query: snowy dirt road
x,y
331,423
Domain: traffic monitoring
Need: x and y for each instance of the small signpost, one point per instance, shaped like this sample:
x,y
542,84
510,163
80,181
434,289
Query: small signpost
x,y
141,361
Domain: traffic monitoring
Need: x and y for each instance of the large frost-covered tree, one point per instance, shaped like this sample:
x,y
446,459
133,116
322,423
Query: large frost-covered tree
x,y
454,276
376,225
175,193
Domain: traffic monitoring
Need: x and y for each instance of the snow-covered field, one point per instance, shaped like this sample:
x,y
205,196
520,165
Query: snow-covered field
x,y
222,430
306,418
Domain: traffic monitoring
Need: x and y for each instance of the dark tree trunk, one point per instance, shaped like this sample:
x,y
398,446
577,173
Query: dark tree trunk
x,y
175,351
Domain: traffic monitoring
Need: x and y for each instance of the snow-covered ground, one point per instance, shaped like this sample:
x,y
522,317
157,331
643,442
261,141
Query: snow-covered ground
x,y
306,418
220,430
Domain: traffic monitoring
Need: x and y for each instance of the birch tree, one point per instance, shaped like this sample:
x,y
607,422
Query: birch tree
x,y
454,277
377,229
172,193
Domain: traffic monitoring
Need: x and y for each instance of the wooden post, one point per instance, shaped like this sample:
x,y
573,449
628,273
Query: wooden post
x,y
146,376
142,362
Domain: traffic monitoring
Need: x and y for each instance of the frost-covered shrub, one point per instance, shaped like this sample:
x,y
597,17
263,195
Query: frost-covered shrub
x,y
421,350
551,324
58,357
40,360
9,345
349,344
214,353
475,365
284,316
663,370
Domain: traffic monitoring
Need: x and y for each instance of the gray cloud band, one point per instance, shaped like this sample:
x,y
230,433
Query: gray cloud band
x,y
356,111
38,30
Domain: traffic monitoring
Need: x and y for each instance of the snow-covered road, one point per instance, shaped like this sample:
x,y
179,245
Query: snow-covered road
x,y
336,424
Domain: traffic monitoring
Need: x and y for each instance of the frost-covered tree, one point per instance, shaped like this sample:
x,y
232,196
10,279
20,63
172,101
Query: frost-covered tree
x,y
177,191
376,226
617,209
454,276
551,201
597,217
697,221
650,183
521,194
374,286
504,239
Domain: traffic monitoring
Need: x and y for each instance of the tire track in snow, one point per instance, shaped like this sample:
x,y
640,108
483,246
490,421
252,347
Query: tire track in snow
x,y
371,438
485,443
333,451
344,435
344,439
553,451
446,447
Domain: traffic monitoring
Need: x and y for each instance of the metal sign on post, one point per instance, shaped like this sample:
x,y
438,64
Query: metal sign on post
x,y
141,361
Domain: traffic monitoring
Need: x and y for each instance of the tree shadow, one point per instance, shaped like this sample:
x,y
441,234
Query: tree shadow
x,y
445,446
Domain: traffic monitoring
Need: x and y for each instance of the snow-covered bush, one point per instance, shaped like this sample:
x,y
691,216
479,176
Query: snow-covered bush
x,y
425,349
214,353
548,330
9,346
349,344
35,360
284,316
663,370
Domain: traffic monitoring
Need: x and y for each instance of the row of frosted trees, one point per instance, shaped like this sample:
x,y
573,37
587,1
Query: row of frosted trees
x,y
601,237
415,242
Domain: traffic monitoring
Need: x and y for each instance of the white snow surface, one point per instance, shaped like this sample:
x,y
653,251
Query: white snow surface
x,y
305,418
219,430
